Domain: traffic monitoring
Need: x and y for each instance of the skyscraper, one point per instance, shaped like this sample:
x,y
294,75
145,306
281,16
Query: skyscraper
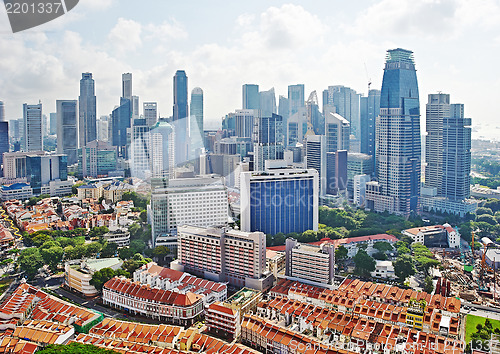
x,y
284,111
2,111
161,149
267,103
120,122
295,98
196,134
244,122
337,131
4,139
346,103
127,86
135,107
448,157
268,140
87,110
96,159
180,118
150,112
251,99
397,138
32,116
140,149
316,158
53,124
369,110
67,129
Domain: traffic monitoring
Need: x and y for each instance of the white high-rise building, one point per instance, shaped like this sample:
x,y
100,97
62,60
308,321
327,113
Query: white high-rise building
x,y
140,147
337,131
32,116
200,201
161,149
103,128
150,112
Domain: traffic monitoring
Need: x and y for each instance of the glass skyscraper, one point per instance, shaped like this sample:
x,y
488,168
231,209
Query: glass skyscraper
x,y
120,122
196,133
369,111
87,110
32,117
67,129
398,137
295,98
180,118
251,98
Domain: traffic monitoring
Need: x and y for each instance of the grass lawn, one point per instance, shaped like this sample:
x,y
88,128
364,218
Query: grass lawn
x,y
4,284
471,323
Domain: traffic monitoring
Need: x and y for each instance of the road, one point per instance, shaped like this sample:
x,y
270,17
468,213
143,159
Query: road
x,y
482,311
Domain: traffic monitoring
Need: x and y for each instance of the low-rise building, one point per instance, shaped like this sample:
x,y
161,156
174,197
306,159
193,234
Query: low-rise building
x,y
77,276
163,305
222,319
21,191
383,269
435,236
119,236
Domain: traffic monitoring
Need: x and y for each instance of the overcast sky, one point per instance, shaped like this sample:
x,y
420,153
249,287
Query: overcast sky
x,y
224,44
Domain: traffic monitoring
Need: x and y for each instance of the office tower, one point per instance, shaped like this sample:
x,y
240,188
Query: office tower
x,y
244,122
284,111
397,138
135,107
200,201
267,104
337,130
4,141
357,164
268,140
140,150
87,110
45,126
97,159
296,98
336,172
312,264
42,169
221,164
196,133
103,128
2,111
296,127
53,124
32,118
15,129
369,111
233,256
279,200
251,99
67,129
120,123
448,157
127,86
229,124
15,163
180,117
161,149
150,112
316,121
346,103
234,145
315,150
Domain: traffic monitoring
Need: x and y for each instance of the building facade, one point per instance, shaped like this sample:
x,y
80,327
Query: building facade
x,y
32,117
180,117
397,138
250,96
196,133
87,110
281,200
233,256
97,159
67,129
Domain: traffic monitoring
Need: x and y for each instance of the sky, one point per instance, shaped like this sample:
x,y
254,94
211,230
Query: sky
x,y
224,44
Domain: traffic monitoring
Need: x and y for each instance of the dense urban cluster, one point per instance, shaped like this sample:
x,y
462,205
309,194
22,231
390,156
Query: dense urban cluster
x,y
294,228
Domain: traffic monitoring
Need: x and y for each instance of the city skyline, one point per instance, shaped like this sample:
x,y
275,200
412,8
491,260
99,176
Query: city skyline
x,y
279,37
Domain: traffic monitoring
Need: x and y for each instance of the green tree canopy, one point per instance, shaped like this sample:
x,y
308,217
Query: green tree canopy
x,y
100,277
30,261
340,254
428,285
364,263
383,246
74,348
484,210
52,256
404,266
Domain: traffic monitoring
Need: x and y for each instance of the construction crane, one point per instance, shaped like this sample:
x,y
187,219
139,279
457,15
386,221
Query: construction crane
x,y
368,77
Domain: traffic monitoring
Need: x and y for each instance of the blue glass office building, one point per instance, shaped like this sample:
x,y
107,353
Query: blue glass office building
x,y
398,135
282,200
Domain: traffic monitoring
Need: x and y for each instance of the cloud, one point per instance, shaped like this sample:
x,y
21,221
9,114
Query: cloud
x,y
125,35
96,5
166,31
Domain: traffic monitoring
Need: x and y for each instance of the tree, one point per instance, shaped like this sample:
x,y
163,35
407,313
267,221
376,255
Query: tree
x,y
404,267
98,231
403,250
383,246
380,256
91,249
52,256
30,261
109,249
137,246
428,285
100,277
143,216
74,348
125,253
364,263
340,254
162,251
487,219
40,239
483,210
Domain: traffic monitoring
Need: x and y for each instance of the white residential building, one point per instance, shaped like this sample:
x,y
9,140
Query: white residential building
x,y
384,269
435,236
